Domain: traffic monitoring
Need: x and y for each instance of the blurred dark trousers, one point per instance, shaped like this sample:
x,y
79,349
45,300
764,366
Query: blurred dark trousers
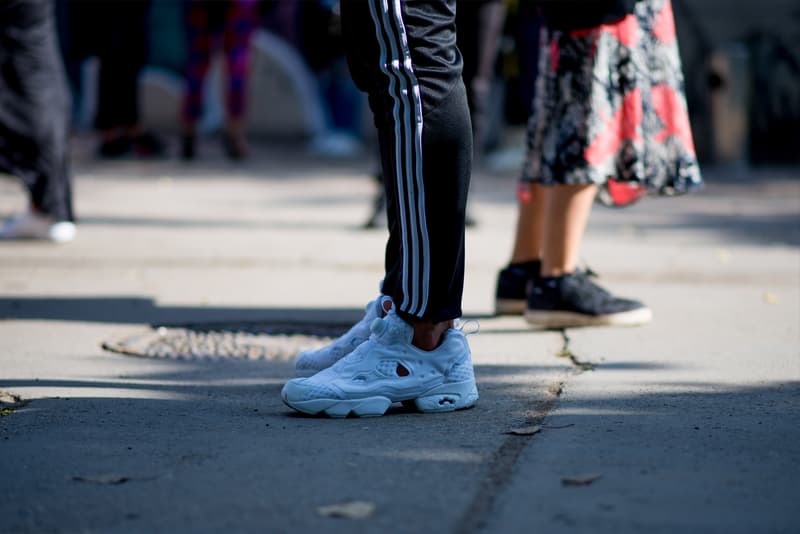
x,y
480,25
404,56
115,32
34,105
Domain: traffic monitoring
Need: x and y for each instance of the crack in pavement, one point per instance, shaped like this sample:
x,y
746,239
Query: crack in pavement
x,y
501,465
566,352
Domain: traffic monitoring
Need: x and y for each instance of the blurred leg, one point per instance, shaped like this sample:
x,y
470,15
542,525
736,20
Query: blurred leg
x,y
240,21
198,40
567,209
529,237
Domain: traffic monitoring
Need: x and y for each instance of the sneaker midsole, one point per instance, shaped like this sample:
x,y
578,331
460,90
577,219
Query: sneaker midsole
x,y
510,306
443,397
564,319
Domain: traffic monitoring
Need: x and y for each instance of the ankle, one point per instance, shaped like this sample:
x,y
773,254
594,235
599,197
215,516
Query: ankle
x,y
428,336
554,271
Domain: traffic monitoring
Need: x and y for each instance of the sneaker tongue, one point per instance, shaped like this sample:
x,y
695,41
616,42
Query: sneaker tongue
x,y
392,329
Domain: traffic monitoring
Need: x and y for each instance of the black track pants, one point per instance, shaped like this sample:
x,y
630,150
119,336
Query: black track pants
x,y
403,54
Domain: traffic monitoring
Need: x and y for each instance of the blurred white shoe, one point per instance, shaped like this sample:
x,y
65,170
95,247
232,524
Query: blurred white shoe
x,y
334,144
31,225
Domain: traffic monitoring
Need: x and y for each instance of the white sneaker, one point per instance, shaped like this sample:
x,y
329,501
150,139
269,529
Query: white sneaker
x,y
31,225
387,368
311,362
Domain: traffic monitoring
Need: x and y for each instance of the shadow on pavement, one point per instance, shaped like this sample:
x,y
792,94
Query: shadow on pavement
x,y
142,310
213,452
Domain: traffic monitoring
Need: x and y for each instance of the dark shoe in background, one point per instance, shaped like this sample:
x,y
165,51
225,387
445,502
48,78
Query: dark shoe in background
x,y
188,151
513,287
235,149
147,145
119,147
575,300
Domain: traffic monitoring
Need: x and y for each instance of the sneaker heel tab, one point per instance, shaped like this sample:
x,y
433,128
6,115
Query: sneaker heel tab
x,y
467,327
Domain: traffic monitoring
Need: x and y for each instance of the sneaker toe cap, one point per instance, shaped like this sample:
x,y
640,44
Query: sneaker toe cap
x,y
303,389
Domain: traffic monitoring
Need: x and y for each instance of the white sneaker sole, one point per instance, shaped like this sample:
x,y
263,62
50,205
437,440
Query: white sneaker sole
x,y
443,398
556,319
510,306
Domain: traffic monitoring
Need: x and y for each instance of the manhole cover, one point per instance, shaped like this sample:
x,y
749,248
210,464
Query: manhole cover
x,y
251,341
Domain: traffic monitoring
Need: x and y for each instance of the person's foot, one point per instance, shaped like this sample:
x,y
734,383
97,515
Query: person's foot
x,y
188,147
32,225
235,146
115,148
385,369
310,362
147,145
575,300
513,287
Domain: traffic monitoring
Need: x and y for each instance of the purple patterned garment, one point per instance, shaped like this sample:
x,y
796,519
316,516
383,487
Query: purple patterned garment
x,y
229,24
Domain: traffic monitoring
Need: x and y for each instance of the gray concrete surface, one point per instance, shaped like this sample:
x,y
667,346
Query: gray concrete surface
x,y
692,423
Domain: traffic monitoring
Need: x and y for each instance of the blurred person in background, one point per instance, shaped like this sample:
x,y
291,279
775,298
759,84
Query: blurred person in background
x,y
116,33
321,44
480,26
227,25
34,119
608,105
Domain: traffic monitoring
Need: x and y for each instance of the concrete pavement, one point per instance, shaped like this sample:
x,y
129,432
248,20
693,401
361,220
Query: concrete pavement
x,y
691,423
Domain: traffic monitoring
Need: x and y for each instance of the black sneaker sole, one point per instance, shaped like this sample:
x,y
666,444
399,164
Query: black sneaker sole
x,y
510,306
563,319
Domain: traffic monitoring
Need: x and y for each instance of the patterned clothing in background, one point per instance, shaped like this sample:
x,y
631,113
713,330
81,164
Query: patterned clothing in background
x,y
609,104
228,24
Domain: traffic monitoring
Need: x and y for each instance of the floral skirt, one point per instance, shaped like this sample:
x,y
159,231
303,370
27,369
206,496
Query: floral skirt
x,y
610,105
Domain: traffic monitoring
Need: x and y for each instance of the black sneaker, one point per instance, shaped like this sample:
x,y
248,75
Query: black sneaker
x,y
235,149
575,300
513,287
147,145
117,148
187,147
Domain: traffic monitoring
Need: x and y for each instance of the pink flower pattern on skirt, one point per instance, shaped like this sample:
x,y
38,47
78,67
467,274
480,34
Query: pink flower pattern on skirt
x,y
610,105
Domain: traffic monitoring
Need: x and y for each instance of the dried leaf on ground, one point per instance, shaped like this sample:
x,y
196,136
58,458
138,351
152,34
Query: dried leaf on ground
x,y
525,430
11,400
582,480
348,510
771,298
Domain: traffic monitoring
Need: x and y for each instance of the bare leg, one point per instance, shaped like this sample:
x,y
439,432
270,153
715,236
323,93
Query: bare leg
x,y
567,209
530,227
237,147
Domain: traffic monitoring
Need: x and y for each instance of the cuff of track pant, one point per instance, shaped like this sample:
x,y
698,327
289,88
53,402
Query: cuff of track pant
x,y
439,316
